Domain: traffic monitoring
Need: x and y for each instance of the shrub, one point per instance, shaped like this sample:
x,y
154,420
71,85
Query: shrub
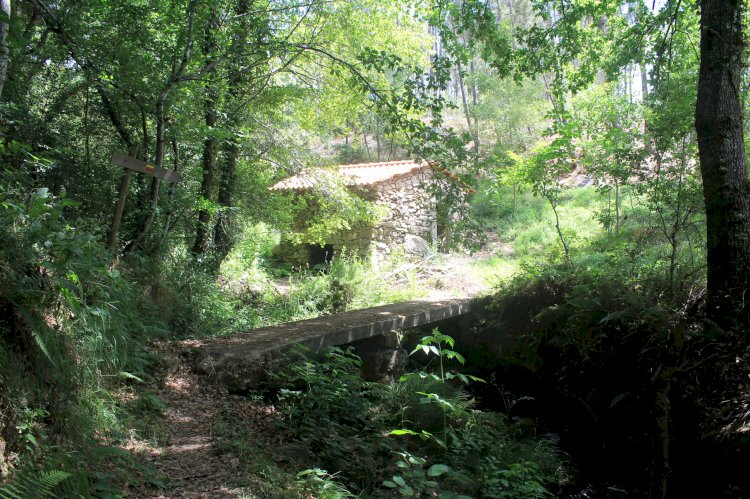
x,y
71,328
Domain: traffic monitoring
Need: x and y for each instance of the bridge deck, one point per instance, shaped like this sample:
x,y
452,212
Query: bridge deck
x,y
235,358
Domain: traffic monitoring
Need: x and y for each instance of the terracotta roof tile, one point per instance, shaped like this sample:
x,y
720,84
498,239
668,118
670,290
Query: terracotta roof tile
x,y
362,174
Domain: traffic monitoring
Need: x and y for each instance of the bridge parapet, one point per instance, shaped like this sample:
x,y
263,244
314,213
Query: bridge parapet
x,y
240,361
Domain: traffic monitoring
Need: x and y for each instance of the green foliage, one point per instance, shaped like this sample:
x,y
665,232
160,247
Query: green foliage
x,y
519,480
613,317
505,462
440,346
73,327
346,283
415,479
328,408
341,420
197,305
322,485
482,456
335,82
31,486
329,209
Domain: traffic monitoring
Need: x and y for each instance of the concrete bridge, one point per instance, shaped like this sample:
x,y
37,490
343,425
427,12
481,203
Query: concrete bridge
x,y
240,361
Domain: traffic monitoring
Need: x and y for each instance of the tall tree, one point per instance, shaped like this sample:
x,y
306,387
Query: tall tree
x,y
4,52
726,191
211,142
237,78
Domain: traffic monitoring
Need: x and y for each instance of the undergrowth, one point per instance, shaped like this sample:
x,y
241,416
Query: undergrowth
x,y
199,305
354,438
72,329
75,325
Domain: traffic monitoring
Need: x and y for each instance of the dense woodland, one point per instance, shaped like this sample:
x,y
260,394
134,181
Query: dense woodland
x,y
594,157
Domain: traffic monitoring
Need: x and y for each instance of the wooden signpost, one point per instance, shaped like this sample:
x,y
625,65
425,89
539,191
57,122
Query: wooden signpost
x,y
147,168
132,164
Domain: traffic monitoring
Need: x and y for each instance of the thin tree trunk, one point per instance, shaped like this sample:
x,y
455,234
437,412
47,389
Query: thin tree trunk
x,y
553,203
675,230
367,146
462,90
170,195
475,103
566,248
377,134
644,91
726,190
210,145
155,182
665,374
144,127
222,231
4,51
86,130
617,207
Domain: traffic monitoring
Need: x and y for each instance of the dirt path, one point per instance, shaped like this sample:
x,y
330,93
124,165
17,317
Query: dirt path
x,y
193,460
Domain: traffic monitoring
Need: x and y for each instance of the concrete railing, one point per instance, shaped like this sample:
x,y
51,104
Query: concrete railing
x,y
240,361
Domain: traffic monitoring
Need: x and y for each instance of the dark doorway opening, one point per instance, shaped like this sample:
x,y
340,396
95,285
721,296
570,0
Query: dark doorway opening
x,y
320,256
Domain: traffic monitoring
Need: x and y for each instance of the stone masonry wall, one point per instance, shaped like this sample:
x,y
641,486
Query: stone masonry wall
x,y
411,221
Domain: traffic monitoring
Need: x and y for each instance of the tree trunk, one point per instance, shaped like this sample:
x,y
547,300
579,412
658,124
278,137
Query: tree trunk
x,y
173,80
223,229
155,182
462,90
4,52
617,207
726,191
170,196
377,134
210,145
222,232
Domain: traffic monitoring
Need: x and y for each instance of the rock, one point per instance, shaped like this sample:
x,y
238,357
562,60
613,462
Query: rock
x,y
416,245
505,250
169,362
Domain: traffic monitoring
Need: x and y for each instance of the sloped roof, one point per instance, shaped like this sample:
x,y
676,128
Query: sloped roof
x,y
363,174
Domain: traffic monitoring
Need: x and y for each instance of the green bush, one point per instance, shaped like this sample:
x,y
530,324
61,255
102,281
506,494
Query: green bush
x,y
329,408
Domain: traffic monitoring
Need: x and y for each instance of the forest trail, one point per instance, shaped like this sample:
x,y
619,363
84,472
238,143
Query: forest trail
x,y
188,452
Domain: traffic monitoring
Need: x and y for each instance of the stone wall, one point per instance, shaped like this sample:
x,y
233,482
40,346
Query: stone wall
x,y
410,223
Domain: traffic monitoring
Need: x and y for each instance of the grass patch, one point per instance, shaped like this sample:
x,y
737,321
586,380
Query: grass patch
x,y
524,226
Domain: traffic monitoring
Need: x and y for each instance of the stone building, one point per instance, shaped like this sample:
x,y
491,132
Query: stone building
x,y
402,188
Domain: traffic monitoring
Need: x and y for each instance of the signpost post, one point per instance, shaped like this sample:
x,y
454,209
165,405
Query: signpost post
x,y
132,164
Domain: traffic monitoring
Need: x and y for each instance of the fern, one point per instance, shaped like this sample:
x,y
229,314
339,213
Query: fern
x,y
33,485
37,327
